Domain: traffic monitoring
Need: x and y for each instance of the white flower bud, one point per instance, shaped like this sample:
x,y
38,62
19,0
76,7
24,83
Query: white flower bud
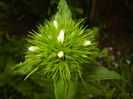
x,y
32,48
87,43
61,54
61,36
55,24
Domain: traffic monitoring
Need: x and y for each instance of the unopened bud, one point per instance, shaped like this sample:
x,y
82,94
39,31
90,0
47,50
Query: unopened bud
x,y
61,54
87,43
32,48
61,36
55,24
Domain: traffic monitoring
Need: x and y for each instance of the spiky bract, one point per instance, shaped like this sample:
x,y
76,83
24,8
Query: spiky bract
x,y
46,47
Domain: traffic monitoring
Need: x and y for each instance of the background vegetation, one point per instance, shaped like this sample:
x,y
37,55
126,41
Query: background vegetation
x,y
112,18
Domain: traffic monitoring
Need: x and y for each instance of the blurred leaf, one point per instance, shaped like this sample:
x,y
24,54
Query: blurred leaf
x,y
96,72
89,89
4,79
3,5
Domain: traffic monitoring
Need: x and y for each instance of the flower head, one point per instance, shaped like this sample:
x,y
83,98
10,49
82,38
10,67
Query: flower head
x,y
48,53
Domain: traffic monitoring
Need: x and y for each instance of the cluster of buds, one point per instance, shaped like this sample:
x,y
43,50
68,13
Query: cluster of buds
x,y
60,38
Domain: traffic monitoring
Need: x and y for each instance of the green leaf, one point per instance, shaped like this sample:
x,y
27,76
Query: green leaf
x,y
89,89
96,72
4,79
63,11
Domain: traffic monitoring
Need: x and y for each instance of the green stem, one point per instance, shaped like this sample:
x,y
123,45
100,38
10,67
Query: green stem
x,y
64,90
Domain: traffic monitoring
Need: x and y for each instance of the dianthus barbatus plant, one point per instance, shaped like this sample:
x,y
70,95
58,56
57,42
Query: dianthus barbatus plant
x,y
58,50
